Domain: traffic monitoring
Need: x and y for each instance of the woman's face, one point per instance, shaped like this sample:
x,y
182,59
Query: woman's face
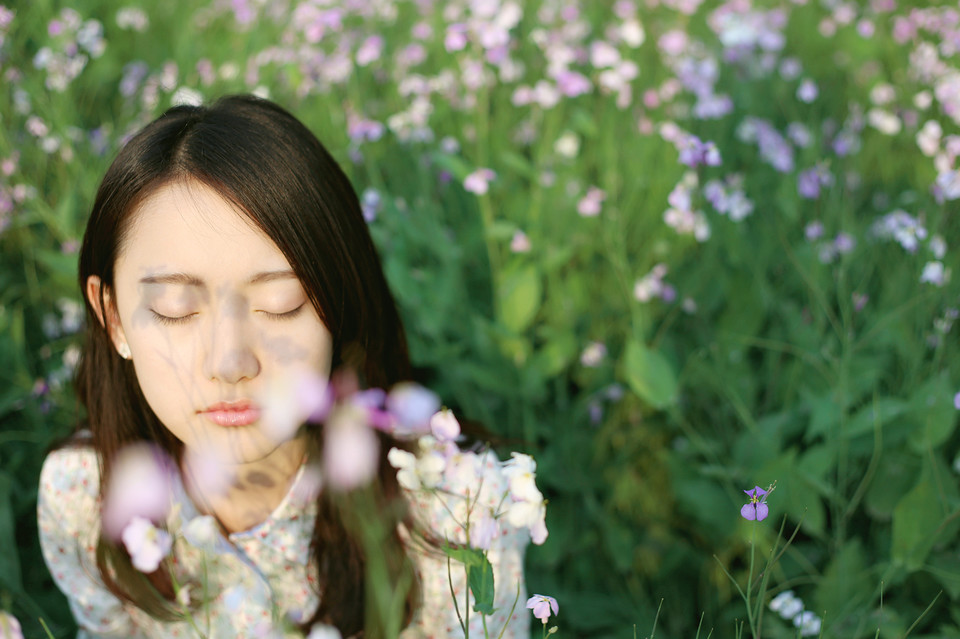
x,y
215,319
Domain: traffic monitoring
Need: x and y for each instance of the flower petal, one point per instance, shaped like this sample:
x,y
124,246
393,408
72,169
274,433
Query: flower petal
x,y
748,512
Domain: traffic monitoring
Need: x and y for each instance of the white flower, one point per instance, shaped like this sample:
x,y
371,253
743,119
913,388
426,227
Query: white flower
x,y
567,145
808,623
883,121
786,604
201,532
146,544
415,473
323,631
934,273
188,96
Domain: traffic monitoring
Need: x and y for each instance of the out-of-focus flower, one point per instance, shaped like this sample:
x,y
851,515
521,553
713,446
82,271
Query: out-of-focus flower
x,y
902,227
593,354
786,604
928,138
567,145
937,246
935,273
479,181
757,509
807,91
859,301
416,472
132,18
520,243
351,449
543,606
186,95
813,231
146,544
483,530
650,285
9,626
844,243
956,401
590,204
140,486
694,152
810,181
412,407
201,532
444,425
323,631
291,400
808,623
884,121
370,204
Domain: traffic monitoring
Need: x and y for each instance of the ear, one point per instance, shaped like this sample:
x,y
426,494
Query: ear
x,y
107,313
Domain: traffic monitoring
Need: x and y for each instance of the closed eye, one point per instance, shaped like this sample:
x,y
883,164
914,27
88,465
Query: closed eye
x,y
171,321
285,316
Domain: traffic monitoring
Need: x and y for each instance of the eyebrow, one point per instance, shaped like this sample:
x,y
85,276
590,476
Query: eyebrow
x,y
186,279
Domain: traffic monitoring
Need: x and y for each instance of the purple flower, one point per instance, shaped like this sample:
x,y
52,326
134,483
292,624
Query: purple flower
x,y
479,181
146,544
807,92
956,401
844,243
693,152
757,509
542,605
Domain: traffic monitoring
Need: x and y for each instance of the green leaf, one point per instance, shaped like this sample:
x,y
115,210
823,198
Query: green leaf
x,y
932,403
9,561
876,412
518,164
467,556
649,375
915,519
555,355
480,579
844,581
519,298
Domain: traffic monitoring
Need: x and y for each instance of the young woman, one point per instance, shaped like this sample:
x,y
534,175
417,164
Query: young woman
x,y
226,254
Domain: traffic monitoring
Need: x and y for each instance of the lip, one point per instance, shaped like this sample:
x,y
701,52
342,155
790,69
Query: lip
x,y
239,413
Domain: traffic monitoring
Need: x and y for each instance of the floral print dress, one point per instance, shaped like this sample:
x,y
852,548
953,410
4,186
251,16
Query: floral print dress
x,y
259,582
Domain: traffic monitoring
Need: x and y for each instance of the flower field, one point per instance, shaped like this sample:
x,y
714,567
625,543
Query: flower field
x,y
673,249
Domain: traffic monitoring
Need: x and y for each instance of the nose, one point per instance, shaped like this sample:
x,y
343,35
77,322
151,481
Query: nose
x,y
231,356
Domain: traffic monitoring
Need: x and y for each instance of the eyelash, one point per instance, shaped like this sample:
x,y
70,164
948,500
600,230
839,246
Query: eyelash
x,y
173,321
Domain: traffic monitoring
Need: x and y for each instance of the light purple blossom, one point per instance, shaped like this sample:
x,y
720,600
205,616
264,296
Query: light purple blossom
x,y
412,407
444,425
956,401
807,91
351,448
146,544
520,243
694,152
757,509
542,606
844,243
810,181
589,205
479,181
140,487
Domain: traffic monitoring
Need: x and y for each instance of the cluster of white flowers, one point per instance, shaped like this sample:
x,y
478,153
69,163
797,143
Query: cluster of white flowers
x,y
438,465
790,607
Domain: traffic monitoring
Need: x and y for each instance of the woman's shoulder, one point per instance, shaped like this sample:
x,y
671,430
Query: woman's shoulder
x,y
70,472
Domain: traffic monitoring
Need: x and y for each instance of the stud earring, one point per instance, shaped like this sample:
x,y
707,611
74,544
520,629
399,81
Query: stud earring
x,y
124,351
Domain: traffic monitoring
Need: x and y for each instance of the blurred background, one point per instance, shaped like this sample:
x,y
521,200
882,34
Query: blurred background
x,y
674,249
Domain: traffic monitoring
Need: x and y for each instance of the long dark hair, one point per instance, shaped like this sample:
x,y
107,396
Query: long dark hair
x,y
263,160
